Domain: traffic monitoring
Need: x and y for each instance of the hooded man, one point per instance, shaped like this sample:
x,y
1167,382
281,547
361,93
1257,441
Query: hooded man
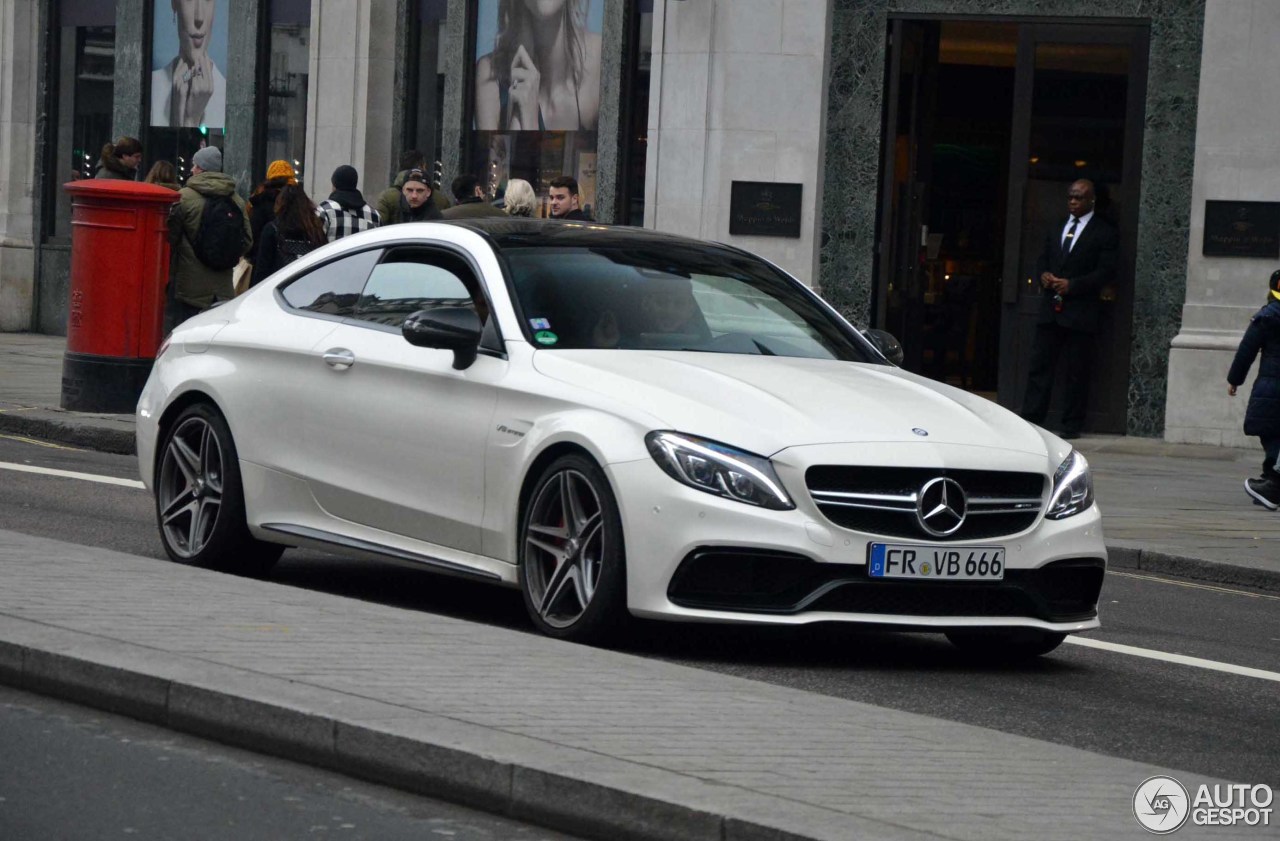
x,y
345,211
415,203
195,285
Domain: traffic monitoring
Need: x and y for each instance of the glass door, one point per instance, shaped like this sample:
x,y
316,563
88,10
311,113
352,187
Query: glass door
x,y
1078,113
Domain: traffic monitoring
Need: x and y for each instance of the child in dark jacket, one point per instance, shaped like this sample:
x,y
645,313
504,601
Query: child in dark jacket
x,y
1262,418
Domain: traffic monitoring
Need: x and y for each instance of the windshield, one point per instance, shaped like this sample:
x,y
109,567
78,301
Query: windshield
x,y
671,297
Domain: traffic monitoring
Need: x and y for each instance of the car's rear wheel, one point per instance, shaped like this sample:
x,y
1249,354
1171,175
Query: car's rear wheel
x,y
200,499
1005,644
572,561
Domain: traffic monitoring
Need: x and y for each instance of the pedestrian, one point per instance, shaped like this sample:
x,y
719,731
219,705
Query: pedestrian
x,y
1262,417
295,229
472,203
345,211
163,174
565,202
389,201
415,204
1078,259
120,160
519,200
262,201
208,234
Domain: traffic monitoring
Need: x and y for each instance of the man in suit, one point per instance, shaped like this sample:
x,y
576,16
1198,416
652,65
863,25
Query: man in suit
x,y
1078,260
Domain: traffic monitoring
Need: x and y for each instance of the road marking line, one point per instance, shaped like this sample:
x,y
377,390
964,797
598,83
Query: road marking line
x,y
1181,659
71,474
1194,585
49,444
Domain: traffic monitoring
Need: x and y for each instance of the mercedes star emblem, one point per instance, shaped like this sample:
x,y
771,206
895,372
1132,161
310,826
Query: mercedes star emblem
x,y
941,506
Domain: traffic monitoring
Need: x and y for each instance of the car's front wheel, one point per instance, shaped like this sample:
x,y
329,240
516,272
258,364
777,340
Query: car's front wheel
x,y
1005,644
200,500
572,561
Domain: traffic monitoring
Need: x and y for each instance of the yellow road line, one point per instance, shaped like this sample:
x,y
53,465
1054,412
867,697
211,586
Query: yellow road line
x,y
1194,585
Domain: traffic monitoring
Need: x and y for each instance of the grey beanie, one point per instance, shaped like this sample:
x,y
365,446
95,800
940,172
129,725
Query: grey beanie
x,y
209,159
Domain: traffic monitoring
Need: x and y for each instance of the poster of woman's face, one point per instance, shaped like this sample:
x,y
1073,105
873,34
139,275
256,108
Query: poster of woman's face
x,y
538,65
188,54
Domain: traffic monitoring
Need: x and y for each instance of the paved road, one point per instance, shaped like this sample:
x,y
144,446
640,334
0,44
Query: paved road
x,y
1178,716
128,779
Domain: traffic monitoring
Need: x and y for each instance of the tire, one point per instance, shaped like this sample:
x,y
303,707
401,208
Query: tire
x,y
200,500
1006,645
572,561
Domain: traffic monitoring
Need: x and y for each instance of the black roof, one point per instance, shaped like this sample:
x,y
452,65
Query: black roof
x,y
526,233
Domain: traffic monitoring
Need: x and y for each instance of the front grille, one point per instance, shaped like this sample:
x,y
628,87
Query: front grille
x,y
751,581
882,500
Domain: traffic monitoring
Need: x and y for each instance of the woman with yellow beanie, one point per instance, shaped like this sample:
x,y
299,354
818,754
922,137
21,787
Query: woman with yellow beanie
x,y
263,201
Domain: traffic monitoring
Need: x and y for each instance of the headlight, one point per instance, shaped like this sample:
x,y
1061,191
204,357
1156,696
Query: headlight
x,y
1072,488
718,469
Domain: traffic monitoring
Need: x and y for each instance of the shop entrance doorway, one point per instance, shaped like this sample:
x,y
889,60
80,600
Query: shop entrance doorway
x,y
987,123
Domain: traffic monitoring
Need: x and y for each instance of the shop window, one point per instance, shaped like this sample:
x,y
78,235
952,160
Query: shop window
x,y
285,124
83,50
187,105
636,114
424,88
535,111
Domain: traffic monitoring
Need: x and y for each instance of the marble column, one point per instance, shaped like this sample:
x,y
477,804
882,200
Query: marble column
x,y
352,92
19,60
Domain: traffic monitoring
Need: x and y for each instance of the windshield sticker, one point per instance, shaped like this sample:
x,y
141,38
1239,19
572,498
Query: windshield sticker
x,y
545,337
540,324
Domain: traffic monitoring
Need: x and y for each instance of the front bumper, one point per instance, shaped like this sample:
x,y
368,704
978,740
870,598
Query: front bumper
x,y
692,556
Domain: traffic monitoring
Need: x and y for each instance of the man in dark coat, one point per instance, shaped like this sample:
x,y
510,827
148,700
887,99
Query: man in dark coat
x,y
1078,260
1262,417
415,203
472,202
565,201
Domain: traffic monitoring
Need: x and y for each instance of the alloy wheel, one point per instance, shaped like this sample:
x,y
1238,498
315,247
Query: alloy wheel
x,y
191,486
564,546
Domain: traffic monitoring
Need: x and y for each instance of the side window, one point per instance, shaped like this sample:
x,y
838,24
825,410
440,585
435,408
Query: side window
x,y
409,280
334,288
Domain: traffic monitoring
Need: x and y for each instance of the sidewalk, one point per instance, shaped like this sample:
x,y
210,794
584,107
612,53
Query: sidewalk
x,y
594,742
1171,509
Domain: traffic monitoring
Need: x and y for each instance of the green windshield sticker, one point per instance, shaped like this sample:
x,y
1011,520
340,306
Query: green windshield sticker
x,y
545,337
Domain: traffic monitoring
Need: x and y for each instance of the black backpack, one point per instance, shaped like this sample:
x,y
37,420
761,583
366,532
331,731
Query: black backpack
x,y
220,241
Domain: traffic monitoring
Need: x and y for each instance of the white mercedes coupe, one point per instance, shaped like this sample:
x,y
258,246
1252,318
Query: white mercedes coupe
x,y
620,423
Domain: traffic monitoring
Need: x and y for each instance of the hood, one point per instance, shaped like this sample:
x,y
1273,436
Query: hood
x,y
351,200
769,403
212,184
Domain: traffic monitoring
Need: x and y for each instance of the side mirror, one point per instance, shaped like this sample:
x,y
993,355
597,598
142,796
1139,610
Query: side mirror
x,y
448,328
889,347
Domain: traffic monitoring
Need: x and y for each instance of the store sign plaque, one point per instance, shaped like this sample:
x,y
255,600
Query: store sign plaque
x,y
1242,229
765,209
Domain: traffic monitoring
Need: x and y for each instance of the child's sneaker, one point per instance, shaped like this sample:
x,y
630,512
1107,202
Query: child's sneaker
x,y
1264,491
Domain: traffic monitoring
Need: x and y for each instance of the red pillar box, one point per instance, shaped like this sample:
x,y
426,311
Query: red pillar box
x,y
119,268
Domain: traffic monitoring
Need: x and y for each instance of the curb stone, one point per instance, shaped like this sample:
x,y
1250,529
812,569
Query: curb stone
x,y
1195,569
65,428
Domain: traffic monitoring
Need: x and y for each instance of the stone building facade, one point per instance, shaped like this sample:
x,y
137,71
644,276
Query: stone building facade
x,y
915,149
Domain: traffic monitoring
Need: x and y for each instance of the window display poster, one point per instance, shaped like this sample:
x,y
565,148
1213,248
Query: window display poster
x,y
188,61
520,86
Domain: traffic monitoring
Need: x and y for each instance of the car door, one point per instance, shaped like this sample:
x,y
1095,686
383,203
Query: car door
x,y
399,432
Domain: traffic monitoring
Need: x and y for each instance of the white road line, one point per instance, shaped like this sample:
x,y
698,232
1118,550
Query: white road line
x,y
71,474
1181,659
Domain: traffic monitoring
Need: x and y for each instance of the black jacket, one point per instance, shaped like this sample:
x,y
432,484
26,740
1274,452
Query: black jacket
x,y
1263,415
262,210
277,249
1090,265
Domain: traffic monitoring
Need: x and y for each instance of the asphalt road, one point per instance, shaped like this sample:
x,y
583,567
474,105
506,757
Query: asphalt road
x,y
86,775
1175,716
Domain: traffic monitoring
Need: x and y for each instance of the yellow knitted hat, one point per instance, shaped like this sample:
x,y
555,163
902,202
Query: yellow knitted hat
x,y
281,169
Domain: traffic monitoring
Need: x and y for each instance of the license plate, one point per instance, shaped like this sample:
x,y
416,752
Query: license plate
x,y
936,563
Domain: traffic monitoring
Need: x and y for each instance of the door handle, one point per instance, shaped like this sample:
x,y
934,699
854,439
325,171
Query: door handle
x,y
339,358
